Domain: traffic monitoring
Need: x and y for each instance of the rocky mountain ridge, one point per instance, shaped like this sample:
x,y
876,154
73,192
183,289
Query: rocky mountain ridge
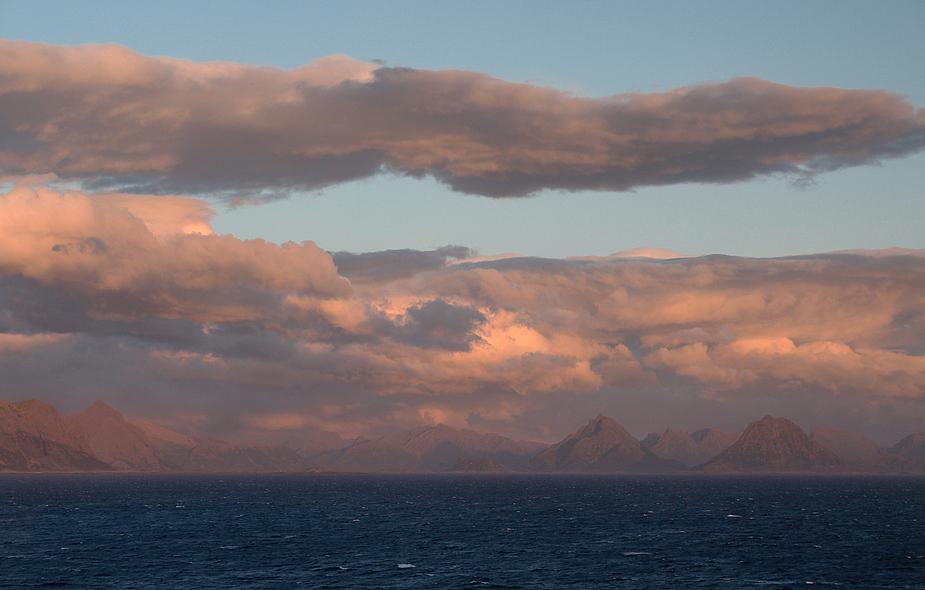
x,y
428,448
602,446
690,448
775,445
850,446
34,438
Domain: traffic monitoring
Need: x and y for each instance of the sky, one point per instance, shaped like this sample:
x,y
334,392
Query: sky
x,y
259,221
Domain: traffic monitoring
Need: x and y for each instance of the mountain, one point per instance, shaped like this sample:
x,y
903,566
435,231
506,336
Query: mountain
x,y
602,446
849,445
775,445
428,448
713,441
116,442
307,444
320,442
366,456
688,448
911,447
33,437
441,447
906,456
185,452
138,445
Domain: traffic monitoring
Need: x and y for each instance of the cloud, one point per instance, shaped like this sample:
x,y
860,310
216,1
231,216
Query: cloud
x,y
439,324
392,264
22,343
96,251
116,120
165,216
122,290
107,296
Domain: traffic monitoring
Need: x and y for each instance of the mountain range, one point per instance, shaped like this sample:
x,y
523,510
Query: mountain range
x,y
428,448
775,445
35,438
602,446
690,448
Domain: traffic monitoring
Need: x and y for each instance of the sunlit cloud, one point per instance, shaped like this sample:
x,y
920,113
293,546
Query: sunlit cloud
x,y
285,337
114,284
123,260
109,118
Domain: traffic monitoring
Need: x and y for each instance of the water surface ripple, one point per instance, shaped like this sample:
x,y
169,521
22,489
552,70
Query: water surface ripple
x,y
128,531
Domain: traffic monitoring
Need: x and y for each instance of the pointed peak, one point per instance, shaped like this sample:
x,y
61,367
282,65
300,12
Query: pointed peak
x,y
427,428
681,432
770,422
602,420
601,424
101,408
778,421
651,440
699,435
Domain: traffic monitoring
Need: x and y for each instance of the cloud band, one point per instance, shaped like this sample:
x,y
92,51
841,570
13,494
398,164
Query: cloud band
x,y
114,119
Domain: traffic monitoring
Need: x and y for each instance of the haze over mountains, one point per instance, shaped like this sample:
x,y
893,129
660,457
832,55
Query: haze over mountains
x,y
690,448
602,446
775,445
35,438
849,445
428,448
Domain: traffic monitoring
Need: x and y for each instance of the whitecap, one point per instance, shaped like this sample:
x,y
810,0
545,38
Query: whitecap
x,y
404,566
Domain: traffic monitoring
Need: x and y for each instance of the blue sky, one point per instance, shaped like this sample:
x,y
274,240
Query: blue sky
x,y
590,48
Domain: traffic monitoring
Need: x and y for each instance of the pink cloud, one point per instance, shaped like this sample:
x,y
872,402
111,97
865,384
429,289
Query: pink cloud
x,y
164,216
119,293
110,117
123,265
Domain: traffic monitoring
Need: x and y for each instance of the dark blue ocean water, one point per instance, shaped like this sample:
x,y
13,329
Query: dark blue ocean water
x,y
460,531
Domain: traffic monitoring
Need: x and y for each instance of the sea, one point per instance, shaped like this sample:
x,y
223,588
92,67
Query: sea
x,y
399,531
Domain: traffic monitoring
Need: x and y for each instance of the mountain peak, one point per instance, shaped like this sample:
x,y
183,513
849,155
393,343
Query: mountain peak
x,y
429,447
116,442
910,447
849,445
774,445
603,445
690,448
600,424
101,408
34,437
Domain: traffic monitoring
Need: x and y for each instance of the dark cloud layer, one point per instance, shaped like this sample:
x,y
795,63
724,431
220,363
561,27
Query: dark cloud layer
x,y
114,119
393,264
